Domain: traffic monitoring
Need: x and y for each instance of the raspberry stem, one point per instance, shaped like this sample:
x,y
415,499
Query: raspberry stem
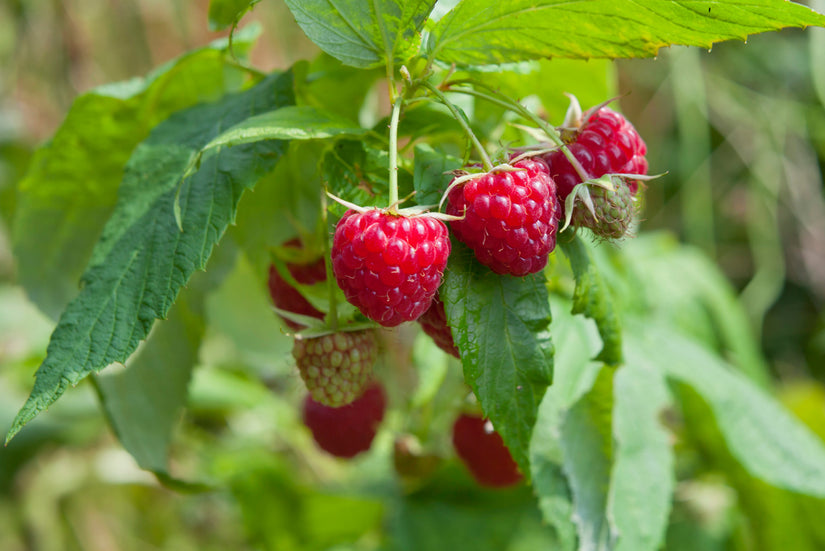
x,y
332,316
393,182
485,159
516,107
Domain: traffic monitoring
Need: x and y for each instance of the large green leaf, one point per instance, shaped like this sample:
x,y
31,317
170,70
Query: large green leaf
x,y
768,441
143,260
642,480
501,327
481,32
143,413
71,187
593,299
363,34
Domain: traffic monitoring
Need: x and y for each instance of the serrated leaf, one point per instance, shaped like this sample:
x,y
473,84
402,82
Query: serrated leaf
x,y
287,123
592,298
642,480
142,260
71,187
765,438
363,34
501,327
225,13
142,412
430,175
479,32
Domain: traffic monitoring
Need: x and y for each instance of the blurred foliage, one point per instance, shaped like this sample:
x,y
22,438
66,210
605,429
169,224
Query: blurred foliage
x,y
741,133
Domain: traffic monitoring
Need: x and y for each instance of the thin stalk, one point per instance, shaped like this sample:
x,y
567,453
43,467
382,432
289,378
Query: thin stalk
x,y
396,113
548,129
331,318
485,159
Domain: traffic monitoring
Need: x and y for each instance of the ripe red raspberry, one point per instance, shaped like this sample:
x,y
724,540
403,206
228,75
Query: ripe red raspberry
x,y
389,265
286,297
484,453
607,143
434,324
336,367
348,430
510,218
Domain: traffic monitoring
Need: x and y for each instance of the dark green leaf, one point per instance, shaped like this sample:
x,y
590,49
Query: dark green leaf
x,y
479,32
363,34
431,175
592,298
143,260
642,481
770,443
71,187
225,13
501,327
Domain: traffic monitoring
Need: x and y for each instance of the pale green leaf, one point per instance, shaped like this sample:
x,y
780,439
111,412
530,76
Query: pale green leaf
x,y
143,260
363,34
766,439
225,13
480,32
71,187
642,480
501,327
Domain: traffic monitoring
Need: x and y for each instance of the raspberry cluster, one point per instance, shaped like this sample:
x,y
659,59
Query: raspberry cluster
x,y
389,265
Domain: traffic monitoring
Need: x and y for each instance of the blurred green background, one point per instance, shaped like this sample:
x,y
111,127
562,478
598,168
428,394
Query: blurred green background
x,y
740,132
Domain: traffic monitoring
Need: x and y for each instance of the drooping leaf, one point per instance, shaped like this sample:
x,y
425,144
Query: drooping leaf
x,y
71,187
576,343
479,32
586,444
642,480
225,13
363,34
592,298
501,327
143,402
143,260
769,443
430,176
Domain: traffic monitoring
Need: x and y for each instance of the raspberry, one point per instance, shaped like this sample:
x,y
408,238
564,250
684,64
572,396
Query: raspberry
x,y
510,218
613,210
286,297
389,265
348,430
434,324
484,453
336,367
607,143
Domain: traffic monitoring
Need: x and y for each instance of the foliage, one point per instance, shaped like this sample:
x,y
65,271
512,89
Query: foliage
x,y
208,164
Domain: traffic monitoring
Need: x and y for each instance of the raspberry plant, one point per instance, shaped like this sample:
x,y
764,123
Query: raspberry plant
x,y
564,349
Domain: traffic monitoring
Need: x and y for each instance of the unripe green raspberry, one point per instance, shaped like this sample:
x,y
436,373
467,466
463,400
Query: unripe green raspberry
x,y
336,368
614,210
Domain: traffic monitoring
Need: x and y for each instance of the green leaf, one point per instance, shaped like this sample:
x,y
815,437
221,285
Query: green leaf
x,y
142,260
586,445
642,481
363,34
501,327
225,13
479,32
287,123
430,176
576,342
71,187
328,84
592,298
766,439
142,412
